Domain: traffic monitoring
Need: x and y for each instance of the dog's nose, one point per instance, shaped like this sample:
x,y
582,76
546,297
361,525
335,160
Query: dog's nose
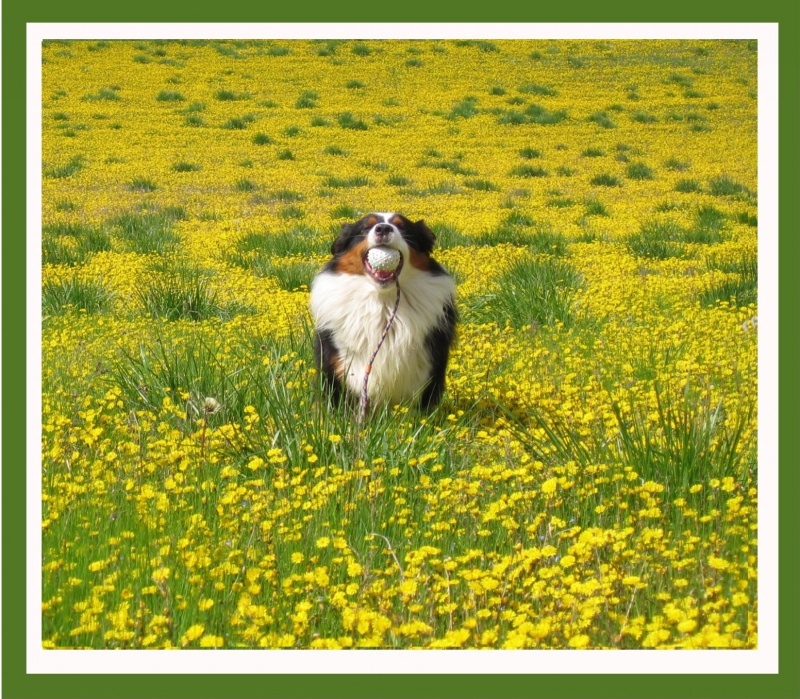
x,y
383,231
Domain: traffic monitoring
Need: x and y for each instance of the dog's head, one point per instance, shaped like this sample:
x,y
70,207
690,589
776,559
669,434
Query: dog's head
x,y
412,240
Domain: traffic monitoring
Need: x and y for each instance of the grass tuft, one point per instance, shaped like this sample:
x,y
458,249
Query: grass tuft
x,y
72,243
348,121
532,292
147,232
73,294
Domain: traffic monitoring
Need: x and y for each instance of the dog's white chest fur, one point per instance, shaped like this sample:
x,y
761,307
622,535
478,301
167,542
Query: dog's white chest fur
x,y
355,311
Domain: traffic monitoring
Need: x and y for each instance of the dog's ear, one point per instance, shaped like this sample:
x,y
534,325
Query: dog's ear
x,y
426,235
342,242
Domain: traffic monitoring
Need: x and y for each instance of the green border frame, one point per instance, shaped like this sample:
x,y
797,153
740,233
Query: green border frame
x,y
16,683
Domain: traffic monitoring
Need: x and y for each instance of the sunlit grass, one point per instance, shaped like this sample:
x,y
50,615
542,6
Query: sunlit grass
x,y
589,479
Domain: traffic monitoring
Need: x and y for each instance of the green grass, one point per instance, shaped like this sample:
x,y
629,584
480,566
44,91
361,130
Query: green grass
x,y
465,109
548,242
482,45
294,242
75,294
481,185
69,244
142,184
362,50
517,218
688,186
692,440
288,195
519,229
146,232
677,165
276,50
75,164
262,139
533,292
347,182
605,180
230,96
307,100
291,276
291,212
534,89
396,180
747,219
658,239
533,114
602,119
665,238
724,186
644,118
170,96
173,291
107,94
455,166
595,208
245,185
193,108
348,121
639,171
448,236
528,171
345,211
740,287
185,166
530,153
682,80
239,123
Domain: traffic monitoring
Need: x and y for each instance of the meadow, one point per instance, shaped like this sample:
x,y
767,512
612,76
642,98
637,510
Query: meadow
x,y
590,478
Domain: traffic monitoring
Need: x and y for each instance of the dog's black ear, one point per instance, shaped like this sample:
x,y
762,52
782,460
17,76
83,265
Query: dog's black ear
x,y
342,242
426,236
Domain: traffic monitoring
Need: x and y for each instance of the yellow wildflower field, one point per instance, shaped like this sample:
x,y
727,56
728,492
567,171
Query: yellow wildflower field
x,y
589,480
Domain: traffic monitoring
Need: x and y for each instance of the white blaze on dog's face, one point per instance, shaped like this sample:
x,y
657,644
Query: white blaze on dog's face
x,y
384,235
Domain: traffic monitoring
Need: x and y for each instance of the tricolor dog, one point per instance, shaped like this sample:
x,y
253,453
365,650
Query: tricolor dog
x,y
352,299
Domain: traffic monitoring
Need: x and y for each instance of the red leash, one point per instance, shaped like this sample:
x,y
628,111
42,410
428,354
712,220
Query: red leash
x,y
364,397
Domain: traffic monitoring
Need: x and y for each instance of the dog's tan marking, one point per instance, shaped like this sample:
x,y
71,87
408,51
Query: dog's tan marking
x,y
338,366
371,221
352,262
420,260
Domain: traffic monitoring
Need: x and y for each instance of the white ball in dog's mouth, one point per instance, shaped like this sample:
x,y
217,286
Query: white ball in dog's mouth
x,y
383,259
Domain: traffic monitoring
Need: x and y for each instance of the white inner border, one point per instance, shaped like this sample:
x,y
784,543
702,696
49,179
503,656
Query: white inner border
x,y
762,660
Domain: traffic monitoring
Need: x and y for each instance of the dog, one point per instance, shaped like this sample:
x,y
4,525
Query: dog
x,y
351,302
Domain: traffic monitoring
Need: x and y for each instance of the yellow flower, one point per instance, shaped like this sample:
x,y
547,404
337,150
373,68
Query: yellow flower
x,y
192,634
549,486
579,641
